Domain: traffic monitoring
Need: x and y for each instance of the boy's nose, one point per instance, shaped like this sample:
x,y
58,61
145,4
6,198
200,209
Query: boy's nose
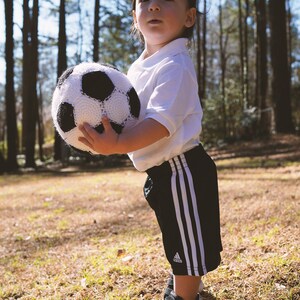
x,y
154,5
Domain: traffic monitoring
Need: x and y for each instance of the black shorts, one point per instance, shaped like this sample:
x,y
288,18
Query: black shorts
x,y
183,192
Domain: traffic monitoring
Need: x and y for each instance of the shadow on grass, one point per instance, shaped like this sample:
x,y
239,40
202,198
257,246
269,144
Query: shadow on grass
x,y
119,225
282,146
49,171
279,152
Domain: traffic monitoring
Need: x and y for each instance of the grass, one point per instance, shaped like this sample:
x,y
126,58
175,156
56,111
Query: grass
x,y
89,234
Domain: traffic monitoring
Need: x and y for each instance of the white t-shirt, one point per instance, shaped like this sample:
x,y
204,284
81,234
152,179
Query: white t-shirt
x,y
167,86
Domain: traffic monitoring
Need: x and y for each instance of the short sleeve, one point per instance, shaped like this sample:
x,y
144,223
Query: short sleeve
x,y
175,96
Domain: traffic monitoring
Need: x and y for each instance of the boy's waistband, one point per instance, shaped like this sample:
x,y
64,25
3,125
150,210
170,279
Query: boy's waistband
x,y
165,167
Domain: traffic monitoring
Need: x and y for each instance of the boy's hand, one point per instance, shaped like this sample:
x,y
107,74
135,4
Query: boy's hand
x,y
104,143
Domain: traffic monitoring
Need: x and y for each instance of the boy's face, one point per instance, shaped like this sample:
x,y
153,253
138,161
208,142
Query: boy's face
x,y
161,21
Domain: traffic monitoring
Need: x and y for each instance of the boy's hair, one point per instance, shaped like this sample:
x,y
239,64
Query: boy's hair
x,y
188,33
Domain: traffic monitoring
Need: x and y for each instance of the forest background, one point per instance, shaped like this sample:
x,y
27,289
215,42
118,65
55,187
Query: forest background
x,y
246,54
71,229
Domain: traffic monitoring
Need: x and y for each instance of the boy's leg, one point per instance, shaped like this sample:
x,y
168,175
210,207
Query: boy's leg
x,y
170,286
187,287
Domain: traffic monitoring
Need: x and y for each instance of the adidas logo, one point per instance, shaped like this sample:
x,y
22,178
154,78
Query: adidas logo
x,y
177,258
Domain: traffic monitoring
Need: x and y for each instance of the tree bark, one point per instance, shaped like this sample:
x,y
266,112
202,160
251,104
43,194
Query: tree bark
x,y
223,70
2,163
246,57
10,99
96,32
262,68
32,112
40,124
204,49
241,43
281,81
201,51
289,36
25,74
59,145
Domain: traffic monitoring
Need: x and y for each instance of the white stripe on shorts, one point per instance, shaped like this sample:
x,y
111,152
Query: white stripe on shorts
x,y
178,216
179,167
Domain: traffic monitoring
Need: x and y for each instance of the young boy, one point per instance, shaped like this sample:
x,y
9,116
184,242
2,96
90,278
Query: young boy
x,y
182,181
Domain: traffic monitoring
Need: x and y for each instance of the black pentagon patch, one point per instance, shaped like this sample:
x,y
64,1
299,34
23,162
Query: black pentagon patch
x,y
64,76
116,127
99,128
65,117
97,85
134,103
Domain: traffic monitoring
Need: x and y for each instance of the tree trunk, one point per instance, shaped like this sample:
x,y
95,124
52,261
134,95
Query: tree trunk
x,y
261,68
204,49
246,58
25,74
96,32
201,51
62,40
33,105
241,43
10,100
289,36
2,163
223,70
59,145
281,81
80,33
40,124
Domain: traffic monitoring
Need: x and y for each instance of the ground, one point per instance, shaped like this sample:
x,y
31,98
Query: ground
x,y
89,234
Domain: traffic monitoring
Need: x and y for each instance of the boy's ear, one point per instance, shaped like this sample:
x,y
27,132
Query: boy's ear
x,y
191,17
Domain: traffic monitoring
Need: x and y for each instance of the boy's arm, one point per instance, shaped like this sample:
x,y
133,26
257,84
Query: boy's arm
x,y
109,142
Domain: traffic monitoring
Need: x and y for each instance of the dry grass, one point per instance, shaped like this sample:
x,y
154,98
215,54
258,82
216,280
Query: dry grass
x,y
91,235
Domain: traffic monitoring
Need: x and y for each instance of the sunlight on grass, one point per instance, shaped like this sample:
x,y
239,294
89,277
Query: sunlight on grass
x,y
58,211
82,236
62,225
254,162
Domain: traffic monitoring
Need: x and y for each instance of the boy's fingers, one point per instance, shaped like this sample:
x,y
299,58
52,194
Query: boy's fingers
x,y
85,141
106,123
87,132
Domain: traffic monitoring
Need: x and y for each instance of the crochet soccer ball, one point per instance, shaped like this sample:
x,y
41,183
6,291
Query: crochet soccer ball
x,y
88,91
